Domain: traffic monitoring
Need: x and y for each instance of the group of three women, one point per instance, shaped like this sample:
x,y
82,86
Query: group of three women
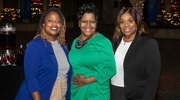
x,y
133,67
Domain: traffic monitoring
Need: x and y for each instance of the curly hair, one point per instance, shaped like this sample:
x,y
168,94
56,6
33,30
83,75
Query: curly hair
x,y
41,32
141,27
87,8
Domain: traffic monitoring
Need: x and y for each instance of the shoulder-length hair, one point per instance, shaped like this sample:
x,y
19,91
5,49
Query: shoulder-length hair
x,y
137,18
61,35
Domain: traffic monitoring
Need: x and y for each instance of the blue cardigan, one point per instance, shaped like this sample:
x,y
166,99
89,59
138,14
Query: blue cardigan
x,y
40,69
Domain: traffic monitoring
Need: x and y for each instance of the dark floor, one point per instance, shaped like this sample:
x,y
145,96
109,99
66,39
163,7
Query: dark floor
x,y
169,88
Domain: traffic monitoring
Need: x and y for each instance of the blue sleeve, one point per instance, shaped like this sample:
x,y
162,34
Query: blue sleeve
x,y
32,60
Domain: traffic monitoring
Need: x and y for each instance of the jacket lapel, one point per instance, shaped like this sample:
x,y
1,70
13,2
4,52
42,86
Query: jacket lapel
x,y
135,44
51,53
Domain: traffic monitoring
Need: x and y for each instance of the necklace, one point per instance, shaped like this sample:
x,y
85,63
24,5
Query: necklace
x,y
124,43
80,43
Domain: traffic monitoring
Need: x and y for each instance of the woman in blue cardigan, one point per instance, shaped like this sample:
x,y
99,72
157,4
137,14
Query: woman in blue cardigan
x,y
46,66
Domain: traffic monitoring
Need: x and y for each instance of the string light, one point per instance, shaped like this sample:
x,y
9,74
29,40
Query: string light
x,y
10,12
54,3
173,17
138,5
36,8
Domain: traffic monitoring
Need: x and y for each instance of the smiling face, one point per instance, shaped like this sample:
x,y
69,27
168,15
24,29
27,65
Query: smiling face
x,y
127,25
52,25
87,25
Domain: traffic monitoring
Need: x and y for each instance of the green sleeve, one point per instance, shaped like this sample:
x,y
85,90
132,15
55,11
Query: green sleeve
x,y
104,47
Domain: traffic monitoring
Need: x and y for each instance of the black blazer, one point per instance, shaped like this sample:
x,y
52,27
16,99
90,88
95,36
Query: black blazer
x,y
141,68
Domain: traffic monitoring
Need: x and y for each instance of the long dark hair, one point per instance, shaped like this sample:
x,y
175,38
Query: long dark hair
x,y
141,27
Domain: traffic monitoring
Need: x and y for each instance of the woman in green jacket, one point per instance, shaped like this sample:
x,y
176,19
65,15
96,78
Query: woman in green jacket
x,y
92,59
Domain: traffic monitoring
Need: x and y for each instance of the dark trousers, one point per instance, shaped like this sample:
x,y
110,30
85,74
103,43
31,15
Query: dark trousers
x,y
118,93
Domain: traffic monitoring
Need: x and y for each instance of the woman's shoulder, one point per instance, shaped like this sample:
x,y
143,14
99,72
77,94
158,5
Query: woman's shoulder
x,y
74,41
37,42
102,41
101,37
148,40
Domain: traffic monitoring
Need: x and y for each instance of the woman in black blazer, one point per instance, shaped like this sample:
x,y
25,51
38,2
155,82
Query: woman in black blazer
x,y
137,59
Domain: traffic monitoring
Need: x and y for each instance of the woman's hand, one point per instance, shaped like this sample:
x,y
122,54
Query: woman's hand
x,y
36,95
82,80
